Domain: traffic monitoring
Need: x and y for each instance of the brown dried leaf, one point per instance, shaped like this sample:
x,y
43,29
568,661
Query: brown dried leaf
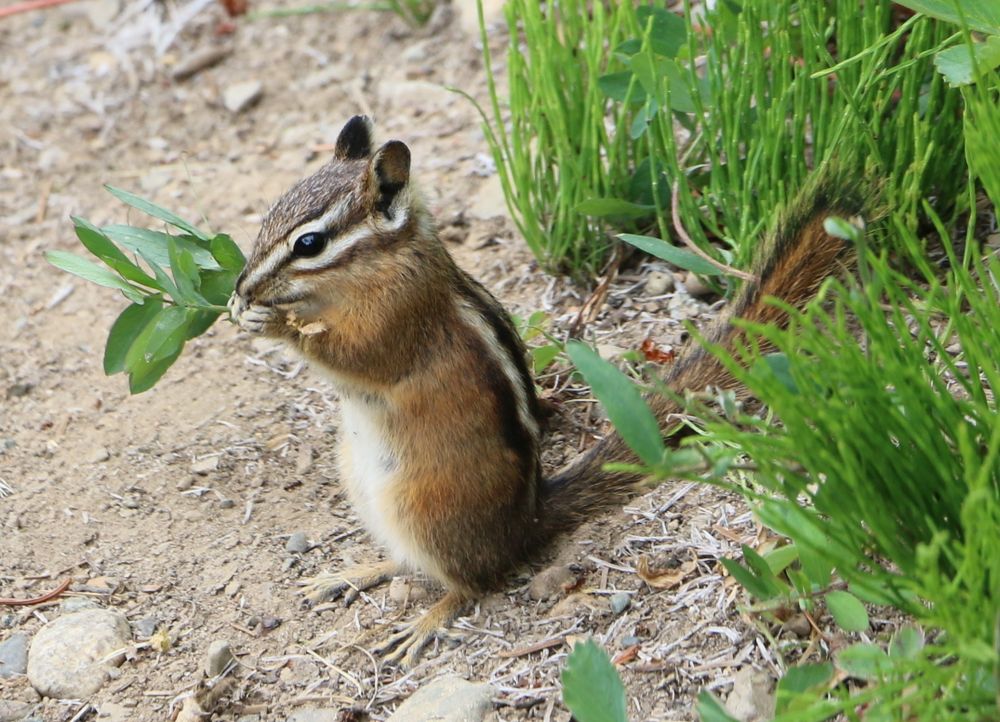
x,y
664,578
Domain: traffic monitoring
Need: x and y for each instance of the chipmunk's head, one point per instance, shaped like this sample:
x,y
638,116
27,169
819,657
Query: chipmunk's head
x,y
329,230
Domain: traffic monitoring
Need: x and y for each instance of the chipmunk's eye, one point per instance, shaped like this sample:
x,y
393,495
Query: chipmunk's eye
x,y
308,245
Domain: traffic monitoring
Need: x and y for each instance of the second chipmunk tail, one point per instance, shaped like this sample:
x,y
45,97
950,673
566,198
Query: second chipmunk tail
x,y
791,264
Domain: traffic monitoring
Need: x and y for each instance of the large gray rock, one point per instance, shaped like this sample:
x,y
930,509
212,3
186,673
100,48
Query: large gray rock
x,y
71,656
447,699
13,655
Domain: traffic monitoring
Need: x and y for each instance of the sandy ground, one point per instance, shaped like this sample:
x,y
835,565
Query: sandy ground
x,y
105,487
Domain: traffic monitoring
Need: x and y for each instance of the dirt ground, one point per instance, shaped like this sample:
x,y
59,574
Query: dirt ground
x,y
175,507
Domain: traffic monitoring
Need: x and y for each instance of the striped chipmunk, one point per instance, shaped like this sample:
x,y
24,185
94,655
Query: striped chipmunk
x,y
440,425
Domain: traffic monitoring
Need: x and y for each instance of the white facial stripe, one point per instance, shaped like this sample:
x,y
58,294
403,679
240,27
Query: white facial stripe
x,y
266,266
324,223
335,247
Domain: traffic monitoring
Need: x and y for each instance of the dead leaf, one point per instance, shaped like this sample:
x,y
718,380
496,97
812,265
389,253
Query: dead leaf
x,y
654,353
626,655
664,578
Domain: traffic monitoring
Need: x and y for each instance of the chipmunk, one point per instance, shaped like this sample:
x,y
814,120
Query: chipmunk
x,y
440,423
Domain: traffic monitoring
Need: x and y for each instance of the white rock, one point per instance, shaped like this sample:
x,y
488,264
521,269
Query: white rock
x,y
13,655
447,699
659,282
72,656
206,465
695,286
240,96
218,657
98,454
314,714
752,698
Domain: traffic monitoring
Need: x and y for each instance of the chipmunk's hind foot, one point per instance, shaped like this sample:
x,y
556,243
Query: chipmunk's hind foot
x,y
405,647
329,586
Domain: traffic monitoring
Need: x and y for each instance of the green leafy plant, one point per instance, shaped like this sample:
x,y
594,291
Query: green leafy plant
x,y
881,464
594,111
592,689
177,285
554,152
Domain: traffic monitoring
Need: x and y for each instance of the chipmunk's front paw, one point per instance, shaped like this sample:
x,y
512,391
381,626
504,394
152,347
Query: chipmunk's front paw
x,y
254,317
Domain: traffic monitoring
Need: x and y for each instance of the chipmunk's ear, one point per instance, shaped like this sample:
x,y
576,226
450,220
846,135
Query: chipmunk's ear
x,y
391,172
355,139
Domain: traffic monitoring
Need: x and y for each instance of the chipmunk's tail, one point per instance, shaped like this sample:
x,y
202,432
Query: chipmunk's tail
x,y
791,264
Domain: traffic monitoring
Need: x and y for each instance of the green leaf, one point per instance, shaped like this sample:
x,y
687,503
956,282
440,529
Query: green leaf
x,y
96,242
227,253
616,86
747,579
125,330
677,256
156,245
200,321
847,611
592,689
218,286
802,685
605,207
955,63
863,661
166,283
163,335
90,271
150,208
762,571
186,276
981,15
668,33
622,400
711,710
542,356
906,643
779,558
145,376
776,365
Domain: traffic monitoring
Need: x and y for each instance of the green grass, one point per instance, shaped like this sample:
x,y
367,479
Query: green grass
x,y
606,114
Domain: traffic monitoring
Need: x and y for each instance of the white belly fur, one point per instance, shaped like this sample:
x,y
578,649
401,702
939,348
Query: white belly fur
x,y
369,468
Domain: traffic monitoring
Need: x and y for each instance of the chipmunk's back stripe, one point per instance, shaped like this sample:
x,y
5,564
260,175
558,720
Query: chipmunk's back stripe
x,y
501,339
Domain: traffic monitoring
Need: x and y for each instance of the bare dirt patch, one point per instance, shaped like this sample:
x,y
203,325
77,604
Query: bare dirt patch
x,y
176,507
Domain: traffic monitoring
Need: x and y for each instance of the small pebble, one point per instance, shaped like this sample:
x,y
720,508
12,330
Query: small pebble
x,y
218,657
146,627
239,97
659,282
297,543
620,601
227,504
98,454
185,484
206,465
798,625
14,655
695,286
270,623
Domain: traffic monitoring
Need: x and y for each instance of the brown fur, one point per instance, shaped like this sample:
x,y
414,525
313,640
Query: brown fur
x,y
454,395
